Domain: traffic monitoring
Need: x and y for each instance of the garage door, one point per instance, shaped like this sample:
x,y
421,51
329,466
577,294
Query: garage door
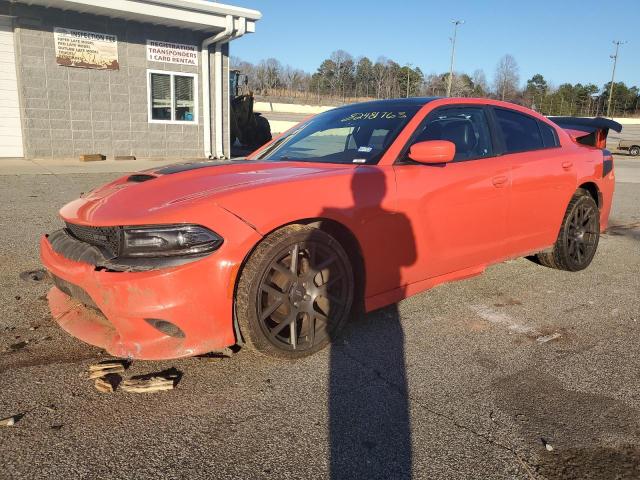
x,y
10,128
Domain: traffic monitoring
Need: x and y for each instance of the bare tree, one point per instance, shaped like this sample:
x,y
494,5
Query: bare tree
x,y
507,77
480,84
268,74
379,75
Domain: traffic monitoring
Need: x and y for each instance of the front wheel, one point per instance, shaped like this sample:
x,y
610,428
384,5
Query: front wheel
x,y
634,151
295,292
578,238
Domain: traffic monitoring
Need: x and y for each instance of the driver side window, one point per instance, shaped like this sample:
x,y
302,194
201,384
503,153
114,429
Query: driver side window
x,y
465,127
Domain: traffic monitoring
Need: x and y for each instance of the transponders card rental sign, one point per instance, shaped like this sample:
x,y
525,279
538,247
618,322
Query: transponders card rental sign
x,y
169,52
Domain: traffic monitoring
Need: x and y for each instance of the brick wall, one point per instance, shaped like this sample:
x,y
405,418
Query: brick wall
x,y
71,111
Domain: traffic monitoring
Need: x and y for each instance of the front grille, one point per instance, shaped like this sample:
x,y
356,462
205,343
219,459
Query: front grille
x,y
105,237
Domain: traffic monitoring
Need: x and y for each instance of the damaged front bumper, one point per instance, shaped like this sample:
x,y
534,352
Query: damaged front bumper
x,y
176,311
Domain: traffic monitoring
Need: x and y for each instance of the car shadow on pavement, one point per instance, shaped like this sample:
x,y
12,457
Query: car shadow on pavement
x,y
369,419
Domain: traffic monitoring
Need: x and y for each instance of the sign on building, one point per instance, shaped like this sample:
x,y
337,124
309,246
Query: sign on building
x,y
169,52
78,48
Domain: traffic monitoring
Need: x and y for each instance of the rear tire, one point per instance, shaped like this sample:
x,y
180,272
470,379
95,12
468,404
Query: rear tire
x,y
634,151
295,293
578,238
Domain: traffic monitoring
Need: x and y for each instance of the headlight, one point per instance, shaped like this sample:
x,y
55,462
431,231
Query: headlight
x,y
168,241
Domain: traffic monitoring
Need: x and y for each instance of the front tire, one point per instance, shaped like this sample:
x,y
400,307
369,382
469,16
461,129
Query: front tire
x,y
578,238
295,293
634,151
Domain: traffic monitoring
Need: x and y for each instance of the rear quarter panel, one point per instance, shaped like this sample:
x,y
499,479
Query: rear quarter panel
x,y
590,170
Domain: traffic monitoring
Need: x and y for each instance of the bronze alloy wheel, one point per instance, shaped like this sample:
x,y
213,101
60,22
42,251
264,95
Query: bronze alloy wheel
x,y
579,235
300,294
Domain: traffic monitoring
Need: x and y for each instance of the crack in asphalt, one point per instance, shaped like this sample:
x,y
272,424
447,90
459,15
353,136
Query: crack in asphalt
x,y
402,391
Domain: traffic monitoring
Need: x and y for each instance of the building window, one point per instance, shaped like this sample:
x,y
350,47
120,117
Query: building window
x,y
173,97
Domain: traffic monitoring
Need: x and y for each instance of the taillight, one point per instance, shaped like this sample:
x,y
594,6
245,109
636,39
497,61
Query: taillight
x,y
607,162
601,138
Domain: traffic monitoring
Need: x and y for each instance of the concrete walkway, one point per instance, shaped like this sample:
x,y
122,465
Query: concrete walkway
x,y
21,166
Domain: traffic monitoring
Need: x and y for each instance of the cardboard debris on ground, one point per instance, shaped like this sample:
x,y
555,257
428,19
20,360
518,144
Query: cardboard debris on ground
x,y
9,421
148,385
107,384
101,369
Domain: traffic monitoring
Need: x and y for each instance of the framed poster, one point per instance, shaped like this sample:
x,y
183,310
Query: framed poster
x,y
82,49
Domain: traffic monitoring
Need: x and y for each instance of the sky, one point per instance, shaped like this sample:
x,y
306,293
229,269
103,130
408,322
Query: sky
x,y
564,40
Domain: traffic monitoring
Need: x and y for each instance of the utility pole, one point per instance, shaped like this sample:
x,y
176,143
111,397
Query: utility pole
x,y
617,43
453,53
408,70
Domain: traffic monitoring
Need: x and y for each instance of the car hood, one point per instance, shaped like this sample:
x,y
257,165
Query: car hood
x,y
146,196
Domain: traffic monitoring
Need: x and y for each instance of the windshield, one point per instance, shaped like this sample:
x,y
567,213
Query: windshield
x,y
357,134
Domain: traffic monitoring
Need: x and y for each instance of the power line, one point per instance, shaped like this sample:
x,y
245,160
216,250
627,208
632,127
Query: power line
x,y
453,53
617,43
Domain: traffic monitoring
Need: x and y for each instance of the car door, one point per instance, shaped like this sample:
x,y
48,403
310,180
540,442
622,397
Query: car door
x,y
458,209
543,179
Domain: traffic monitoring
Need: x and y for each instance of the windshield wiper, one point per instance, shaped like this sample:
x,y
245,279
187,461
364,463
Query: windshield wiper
x,y
275,145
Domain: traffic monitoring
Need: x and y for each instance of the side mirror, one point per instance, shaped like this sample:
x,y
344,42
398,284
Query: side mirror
x,y
433,151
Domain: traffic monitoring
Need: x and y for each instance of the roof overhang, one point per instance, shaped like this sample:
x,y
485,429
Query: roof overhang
x,y
198,15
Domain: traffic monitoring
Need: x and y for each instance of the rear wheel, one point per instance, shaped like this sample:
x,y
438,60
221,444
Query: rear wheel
x,y
634,151
295,293
578,238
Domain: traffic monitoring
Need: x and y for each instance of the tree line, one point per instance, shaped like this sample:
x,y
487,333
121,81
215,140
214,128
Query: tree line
x,y
343,78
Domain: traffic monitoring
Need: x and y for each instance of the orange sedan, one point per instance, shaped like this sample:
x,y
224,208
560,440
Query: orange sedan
x,y
352,210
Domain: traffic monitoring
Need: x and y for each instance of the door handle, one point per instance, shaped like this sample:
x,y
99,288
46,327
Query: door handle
x,y
567,165
500,181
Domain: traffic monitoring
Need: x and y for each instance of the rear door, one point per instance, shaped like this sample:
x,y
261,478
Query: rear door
x,y
458,210
543,180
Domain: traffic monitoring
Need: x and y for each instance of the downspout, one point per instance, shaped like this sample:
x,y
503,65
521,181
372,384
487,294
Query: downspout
x,y
206,80
219,91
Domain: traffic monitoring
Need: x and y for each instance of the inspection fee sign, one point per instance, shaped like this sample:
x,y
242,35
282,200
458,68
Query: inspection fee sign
x,y
169,52
82,49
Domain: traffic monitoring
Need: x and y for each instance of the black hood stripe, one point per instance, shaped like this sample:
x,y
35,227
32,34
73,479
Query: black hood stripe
x,y
185,167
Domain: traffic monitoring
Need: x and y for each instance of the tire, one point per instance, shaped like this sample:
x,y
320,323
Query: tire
x,y
634,151
263,130
578,238
295,293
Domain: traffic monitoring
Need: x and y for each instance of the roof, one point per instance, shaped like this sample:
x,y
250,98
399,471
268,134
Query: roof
x,y
395,102
199,15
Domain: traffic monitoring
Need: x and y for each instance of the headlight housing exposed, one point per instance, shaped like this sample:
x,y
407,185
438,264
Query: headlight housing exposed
x,y
168,241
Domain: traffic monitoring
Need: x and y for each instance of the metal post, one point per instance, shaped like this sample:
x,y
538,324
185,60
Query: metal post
x,y
617,43
408,70
453,53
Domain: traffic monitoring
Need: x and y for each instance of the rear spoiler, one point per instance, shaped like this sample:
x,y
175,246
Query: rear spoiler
x,y
588,131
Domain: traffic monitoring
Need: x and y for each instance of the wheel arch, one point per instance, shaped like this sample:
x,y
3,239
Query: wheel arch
x,y
594,191
345,236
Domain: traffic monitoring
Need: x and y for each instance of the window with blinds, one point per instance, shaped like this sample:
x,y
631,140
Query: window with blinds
x,y
184,102
160,96
172,97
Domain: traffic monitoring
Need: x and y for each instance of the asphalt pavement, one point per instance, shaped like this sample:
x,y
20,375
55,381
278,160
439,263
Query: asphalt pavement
x,y
523,372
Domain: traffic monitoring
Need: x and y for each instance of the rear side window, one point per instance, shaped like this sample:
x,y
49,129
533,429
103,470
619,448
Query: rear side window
x,y
549,136
520,132
466,127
